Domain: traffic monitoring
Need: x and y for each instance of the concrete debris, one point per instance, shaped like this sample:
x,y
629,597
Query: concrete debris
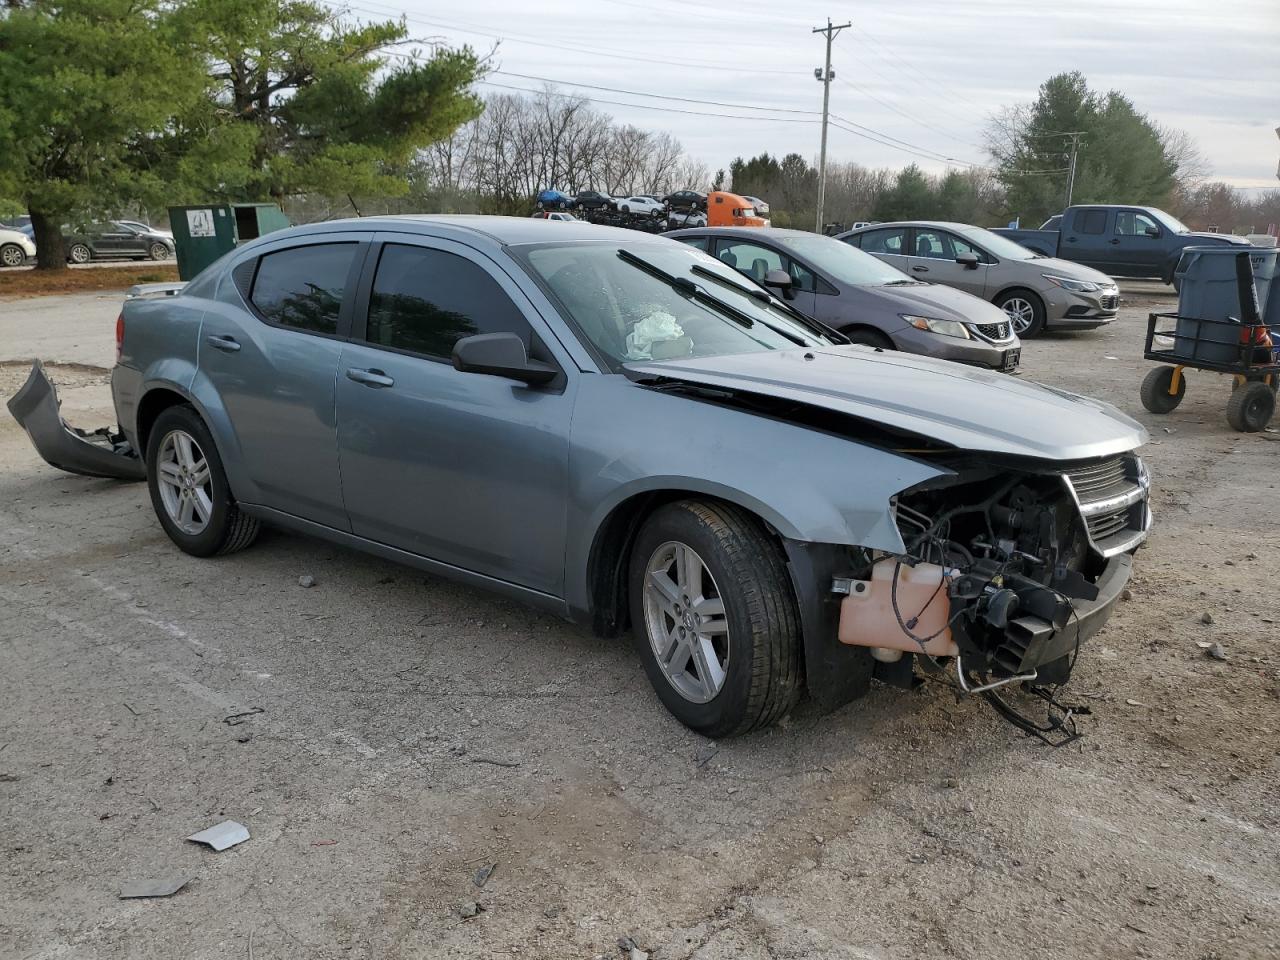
x,y
306,580
630,951
470,910
1216,652
483,874
226,834
1206,617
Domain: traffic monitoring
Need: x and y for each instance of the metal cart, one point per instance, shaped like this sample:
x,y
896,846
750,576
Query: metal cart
x,y
1243,350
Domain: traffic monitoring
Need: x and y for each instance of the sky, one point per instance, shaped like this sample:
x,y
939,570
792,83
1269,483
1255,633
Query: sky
x,y
922,77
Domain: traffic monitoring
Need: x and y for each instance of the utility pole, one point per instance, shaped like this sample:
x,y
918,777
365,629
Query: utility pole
x,y
825,75
1071,168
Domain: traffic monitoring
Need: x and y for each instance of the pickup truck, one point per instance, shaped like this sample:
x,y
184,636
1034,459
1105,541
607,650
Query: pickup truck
x,y
1120,241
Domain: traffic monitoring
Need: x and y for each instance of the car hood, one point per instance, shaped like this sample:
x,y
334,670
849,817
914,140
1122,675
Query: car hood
x,y
955,404
939,302
1218,237
1065,268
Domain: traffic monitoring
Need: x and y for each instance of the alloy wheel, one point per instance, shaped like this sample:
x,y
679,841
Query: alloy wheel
x,y
80,253
186,488
685,621
1021,312
12,256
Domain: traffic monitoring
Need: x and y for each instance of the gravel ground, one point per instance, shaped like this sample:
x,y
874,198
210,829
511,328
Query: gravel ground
x,y
412,731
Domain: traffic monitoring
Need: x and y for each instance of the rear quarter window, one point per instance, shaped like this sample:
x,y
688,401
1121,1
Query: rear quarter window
x,y
1092,221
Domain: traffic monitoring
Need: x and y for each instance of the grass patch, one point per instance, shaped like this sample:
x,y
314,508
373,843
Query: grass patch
x,y
41,283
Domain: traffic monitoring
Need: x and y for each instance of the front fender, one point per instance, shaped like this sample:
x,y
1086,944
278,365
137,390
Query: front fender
x,y
811,486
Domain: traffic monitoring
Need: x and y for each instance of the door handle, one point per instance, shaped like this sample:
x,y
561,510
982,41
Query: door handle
x,y
1071,239
1113,242
370,378
920,269
223,343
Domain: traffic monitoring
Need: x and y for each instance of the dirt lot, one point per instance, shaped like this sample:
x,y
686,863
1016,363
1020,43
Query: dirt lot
x,y
108,275
412,731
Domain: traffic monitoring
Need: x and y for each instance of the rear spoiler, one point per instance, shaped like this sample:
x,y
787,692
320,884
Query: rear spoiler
x,y
102,453
152,290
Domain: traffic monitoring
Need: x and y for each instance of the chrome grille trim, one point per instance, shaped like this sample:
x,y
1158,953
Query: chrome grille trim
x,y
1111,496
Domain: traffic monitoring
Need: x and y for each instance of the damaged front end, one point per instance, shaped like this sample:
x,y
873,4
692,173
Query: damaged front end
x,y
1006,571
102,453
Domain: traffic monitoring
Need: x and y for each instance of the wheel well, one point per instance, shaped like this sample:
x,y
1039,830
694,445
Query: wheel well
x,y
608,564
154,403
867,328
1016,289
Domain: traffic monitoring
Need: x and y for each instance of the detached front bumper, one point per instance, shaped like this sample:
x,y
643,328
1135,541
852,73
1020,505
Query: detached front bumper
x,y
102,453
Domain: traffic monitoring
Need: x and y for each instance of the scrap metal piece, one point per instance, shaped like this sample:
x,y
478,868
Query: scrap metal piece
x,y
164,886
98,454
226,834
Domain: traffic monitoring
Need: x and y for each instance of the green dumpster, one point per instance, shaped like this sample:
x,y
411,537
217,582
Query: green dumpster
x,y
202,234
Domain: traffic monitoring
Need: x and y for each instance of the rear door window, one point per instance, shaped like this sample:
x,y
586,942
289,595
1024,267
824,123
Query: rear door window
x,y
892,240
302,287
1093,221
701,243
424,301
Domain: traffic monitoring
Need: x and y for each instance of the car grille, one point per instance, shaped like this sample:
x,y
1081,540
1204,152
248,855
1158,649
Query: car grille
x,y
1110,302
1112,496
993,331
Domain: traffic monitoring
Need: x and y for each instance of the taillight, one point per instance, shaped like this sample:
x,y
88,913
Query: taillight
x,y
119,337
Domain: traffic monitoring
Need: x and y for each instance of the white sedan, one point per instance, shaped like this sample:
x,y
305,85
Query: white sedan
x,y
16,248
640,206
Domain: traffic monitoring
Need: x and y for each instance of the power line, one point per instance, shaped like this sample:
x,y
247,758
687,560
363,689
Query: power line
x,y
645,106
910,146
902,113
656,96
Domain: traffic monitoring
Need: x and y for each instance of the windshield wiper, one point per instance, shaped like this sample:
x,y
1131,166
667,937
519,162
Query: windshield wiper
x,y
688,288
904,281
768,299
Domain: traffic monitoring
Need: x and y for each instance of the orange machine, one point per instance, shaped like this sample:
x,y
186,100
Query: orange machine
x,y
730,210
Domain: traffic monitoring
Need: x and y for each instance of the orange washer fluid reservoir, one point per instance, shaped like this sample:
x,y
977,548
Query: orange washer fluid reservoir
x,y
867,618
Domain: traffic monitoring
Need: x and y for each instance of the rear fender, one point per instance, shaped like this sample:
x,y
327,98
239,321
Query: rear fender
x,y
102,453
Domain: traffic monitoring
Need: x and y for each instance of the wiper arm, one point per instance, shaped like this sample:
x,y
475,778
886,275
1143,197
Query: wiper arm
x,y
765,297
688,288
904,281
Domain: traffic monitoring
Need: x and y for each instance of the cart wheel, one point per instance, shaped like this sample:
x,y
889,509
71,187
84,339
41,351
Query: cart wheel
x,y
1155,390
1250,407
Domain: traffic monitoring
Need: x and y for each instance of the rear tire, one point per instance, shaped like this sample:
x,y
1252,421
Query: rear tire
x,y
871,338
12,255
1155,390
739,612
1025,310
1251,407
159,251
189,488
79,253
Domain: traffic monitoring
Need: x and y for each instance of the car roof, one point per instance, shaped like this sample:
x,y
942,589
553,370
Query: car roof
x,y
504,231
776,233
938,224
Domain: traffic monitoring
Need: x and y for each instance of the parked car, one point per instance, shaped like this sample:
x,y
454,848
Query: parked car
x,y
866,300
115,240
16,248
554,200
622,430
1120,240
686,200
552,215
593,200
760,206
1036,292
689,217
640,206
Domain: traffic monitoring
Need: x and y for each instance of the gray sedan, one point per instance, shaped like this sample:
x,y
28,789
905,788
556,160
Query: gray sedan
x,y
1037,292
863,298
622,430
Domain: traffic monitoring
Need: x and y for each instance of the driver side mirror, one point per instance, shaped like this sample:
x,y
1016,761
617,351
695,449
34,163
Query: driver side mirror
x,y
781,281
969,261
500,355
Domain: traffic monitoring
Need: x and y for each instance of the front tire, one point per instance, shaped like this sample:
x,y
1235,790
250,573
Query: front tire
x,y
189,488
12,255
714,618
79,253
1025,310
1155,390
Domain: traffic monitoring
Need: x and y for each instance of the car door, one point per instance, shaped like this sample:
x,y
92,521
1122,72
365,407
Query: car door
x,y
888,244
933,259
1085,239
132,243
464,468
756,260
1139,243
273,363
